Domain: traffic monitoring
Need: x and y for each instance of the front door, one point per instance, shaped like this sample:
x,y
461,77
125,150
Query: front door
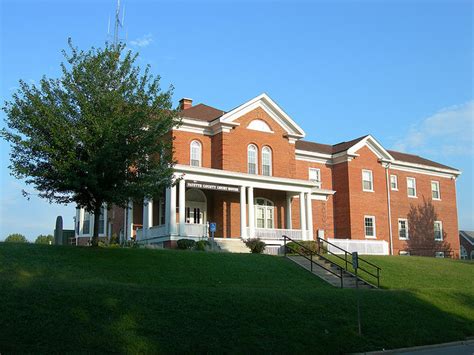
x,y
194,214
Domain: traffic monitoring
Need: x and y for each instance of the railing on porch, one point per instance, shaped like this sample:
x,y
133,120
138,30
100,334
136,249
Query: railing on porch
x,y
193,230
152,232
277,234
363,247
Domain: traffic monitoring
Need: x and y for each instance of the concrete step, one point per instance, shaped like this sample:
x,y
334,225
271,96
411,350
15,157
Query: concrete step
x,y
349,281
231,245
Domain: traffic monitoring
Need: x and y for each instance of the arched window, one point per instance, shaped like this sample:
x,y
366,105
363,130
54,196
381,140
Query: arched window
x,y
196,153
259,125
266,161
252,160
265,213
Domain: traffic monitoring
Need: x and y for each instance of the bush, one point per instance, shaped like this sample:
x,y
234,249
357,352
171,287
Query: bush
x,y
44,239
185,244
255,245
202,245
16,238
312,245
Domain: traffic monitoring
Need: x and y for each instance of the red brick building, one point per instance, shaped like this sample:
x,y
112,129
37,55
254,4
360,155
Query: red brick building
x,y
251,172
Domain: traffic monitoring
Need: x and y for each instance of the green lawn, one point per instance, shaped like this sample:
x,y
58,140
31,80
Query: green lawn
x,y
70,299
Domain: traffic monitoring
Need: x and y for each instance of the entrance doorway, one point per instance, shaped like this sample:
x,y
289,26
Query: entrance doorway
x,y
196,207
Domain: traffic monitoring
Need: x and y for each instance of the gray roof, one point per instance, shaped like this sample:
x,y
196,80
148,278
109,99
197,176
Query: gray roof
x,y
468,235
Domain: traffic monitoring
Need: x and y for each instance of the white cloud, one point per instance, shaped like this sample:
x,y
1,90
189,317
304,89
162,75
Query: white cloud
x,y
143,41
449,131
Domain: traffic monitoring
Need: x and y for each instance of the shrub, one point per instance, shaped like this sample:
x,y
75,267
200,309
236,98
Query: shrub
x,y
16,238
255,245
312,245
44,239
185,244
202,245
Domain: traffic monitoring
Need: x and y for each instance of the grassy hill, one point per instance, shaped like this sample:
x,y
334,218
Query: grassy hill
x,y
67,299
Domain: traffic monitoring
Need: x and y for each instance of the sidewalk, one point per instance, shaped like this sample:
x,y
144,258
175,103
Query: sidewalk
x,y
465,347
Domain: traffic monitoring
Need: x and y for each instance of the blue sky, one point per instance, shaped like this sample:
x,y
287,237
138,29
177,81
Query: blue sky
x,y
399,70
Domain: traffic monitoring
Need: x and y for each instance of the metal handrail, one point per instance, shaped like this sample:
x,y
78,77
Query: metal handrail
x,y
340,275
346,254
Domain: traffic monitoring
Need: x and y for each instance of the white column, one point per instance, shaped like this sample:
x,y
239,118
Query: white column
x,y
309,215
288,212
147,216
251,214
171,209
243,213
182,202
302,216
129,227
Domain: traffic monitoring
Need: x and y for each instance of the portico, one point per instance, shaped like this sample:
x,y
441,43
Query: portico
x,y
243,205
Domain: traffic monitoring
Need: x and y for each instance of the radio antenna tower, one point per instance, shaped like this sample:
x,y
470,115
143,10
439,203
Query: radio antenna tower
x,y
118,24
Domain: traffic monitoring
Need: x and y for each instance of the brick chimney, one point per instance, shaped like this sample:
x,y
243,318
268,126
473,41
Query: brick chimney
x,y
185,103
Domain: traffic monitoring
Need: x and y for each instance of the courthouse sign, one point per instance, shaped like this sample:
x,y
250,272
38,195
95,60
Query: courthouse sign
x,y
209,186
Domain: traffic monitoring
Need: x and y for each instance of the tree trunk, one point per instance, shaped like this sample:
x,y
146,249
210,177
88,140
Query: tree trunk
x,y
95,236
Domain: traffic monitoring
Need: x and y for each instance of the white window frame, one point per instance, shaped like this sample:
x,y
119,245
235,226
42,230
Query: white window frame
x,y
462,252
318,174
267,150
396,183
371,180
374,226
256,158
268,208
440,230
439,254
438,190
406,229
414,187
195,144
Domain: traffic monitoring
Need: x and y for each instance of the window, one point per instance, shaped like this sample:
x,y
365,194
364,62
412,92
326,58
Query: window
x,y
252,159
264,213
315,176
367,180
369,224
411,187
259,125
102,221
439,254
463,253
402,229
394,182
435,190
266,161
404,252
162,211
86,223
196,152
438,230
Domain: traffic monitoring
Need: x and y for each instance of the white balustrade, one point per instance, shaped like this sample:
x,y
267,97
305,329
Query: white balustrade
x,y
193,230
363,247
277,234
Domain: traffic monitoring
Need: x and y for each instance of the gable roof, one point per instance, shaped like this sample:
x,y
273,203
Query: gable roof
x,y
415,159
276,113
202,112
468,235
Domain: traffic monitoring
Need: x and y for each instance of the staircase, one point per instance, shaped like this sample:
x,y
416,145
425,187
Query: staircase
x,y
231,245
317,262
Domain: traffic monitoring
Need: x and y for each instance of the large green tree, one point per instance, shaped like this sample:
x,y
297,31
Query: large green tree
x,y
97,134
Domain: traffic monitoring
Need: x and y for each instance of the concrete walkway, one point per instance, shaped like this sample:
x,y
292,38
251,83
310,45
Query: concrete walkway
x,y
465,347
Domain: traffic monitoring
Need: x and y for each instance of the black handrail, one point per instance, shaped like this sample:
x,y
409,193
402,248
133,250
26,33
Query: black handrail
x,y
345,259
311,252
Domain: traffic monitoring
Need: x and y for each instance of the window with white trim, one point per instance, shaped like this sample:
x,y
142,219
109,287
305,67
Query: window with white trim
x,y
102,221
435,195
252,159
196,153
264,213
367,180
411,187
314,175
439,254
86,223
394,182
402,229
463,253
438,230
266,161
369,226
